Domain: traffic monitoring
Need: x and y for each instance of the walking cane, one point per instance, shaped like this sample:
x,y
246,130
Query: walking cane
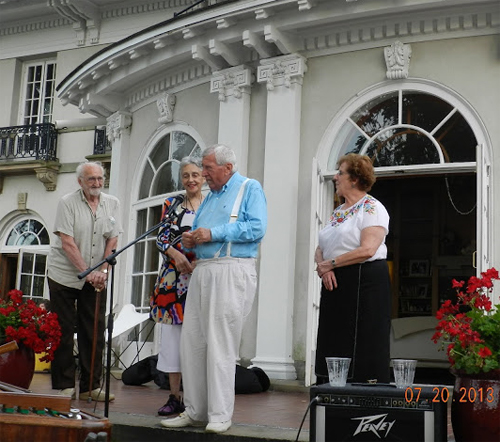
x,y
94,341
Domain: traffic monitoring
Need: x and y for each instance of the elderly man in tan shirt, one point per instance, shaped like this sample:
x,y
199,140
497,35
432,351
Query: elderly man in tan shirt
x,y
87,230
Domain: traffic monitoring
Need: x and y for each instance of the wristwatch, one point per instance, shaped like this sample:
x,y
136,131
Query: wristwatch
x,y
333,264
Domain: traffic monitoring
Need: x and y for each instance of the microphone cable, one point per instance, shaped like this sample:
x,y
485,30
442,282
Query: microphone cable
x,y
313,401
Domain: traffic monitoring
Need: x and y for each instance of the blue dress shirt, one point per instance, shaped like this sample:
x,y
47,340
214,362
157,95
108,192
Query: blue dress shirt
x,y
246,233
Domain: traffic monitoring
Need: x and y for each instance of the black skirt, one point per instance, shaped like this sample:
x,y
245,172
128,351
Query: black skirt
x,y
355,321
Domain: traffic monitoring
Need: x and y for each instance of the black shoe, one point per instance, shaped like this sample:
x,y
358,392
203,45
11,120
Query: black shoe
x,y
173,406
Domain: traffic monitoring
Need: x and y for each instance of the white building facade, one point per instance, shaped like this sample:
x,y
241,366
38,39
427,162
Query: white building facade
x,y
291,85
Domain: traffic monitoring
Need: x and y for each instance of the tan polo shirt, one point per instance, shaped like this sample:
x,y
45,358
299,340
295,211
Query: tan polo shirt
x,y
74,217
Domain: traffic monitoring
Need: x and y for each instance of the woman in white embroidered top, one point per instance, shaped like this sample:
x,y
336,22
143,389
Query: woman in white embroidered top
x,y
354,318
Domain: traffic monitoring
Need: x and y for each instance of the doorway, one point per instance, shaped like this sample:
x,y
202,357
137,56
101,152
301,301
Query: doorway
x,y
431,240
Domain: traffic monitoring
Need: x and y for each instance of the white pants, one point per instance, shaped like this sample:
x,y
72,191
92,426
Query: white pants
x,y
169,360
220,297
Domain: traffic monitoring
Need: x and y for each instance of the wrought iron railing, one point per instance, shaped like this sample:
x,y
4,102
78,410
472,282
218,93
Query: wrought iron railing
x,y
34,141
101,143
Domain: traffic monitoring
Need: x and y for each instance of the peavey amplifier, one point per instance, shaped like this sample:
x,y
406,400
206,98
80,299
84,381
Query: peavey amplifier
x,y
377,412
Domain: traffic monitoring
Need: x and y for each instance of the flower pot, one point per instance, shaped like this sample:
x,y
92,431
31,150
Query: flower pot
x,y
17,367
475,409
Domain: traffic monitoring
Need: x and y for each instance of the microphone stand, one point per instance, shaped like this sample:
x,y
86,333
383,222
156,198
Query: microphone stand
x,y
111,260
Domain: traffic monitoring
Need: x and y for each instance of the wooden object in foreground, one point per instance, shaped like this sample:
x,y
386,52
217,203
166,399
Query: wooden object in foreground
x,y
30,417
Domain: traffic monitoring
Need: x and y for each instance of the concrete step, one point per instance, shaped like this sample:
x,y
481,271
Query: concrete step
x,y
139,428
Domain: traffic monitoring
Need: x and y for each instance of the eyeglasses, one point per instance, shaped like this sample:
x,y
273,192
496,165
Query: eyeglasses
x,y
341,172
93,179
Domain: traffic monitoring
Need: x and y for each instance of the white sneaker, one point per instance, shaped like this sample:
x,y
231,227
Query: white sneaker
x,y
98,395
183,420
218,427
67,392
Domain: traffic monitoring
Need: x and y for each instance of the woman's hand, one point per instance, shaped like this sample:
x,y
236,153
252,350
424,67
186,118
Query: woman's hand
x,y
324,267
188,240
329,280
181,262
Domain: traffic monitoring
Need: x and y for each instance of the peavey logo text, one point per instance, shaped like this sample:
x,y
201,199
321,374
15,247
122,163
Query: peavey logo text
x,y
376,424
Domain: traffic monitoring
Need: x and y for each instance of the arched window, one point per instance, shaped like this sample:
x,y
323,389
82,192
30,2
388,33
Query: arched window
x,y
405,128
159,179
24,253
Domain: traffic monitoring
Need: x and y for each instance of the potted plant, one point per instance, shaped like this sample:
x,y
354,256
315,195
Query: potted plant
x,y
470,330
35,330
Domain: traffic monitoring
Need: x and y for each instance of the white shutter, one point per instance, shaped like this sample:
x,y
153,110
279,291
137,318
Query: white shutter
x,y
321,207
484,237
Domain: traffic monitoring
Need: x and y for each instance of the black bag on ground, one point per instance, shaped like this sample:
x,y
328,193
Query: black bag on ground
x,y
145,371
247,380
250,380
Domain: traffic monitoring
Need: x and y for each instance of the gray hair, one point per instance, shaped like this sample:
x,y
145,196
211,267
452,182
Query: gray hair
x,y
223,155
190,160
82,166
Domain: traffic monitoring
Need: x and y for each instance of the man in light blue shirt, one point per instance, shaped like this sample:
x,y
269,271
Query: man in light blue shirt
x,y
227,230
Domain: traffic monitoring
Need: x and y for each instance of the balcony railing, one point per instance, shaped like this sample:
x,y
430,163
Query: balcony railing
x,y
33,142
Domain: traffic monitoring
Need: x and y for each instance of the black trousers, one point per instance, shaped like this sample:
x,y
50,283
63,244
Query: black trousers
x,y
355,321
75,310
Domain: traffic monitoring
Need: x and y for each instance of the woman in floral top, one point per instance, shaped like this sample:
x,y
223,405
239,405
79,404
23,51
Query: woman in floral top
x,y
169,295
354,318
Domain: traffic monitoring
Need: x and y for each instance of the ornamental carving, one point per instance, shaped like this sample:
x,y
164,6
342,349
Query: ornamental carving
x,y
117,124
47,176
166,105
232,81
284,71
397,59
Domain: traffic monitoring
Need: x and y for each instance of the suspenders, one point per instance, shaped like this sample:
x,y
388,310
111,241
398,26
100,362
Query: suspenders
x,y
234,215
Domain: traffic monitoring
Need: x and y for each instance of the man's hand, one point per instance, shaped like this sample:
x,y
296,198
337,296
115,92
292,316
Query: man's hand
x,y
201,235
97,279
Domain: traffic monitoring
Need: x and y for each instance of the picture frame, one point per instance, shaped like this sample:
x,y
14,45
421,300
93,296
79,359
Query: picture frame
x,y
422,290
419,267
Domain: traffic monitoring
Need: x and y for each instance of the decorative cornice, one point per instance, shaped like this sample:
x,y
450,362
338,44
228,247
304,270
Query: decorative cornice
x,y
69,10
355,35
21,28
118,124
166,105
176,80
327,28
231,82
397,59
282,71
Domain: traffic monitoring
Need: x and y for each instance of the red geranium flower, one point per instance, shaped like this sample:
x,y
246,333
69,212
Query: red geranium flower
x,y
26,323
470,327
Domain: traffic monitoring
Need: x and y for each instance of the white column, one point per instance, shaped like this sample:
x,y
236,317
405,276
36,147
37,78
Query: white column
x,y
118,133
283,77
233,87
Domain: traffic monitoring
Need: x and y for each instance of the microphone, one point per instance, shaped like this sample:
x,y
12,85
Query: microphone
x,y
177,200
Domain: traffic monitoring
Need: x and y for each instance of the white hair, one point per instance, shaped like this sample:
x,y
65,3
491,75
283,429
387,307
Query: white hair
x,y
82,166
223,155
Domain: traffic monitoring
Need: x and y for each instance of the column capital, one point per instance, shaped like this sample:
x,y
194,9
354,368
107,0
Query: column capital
x,y
117,124
231,82
282,71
